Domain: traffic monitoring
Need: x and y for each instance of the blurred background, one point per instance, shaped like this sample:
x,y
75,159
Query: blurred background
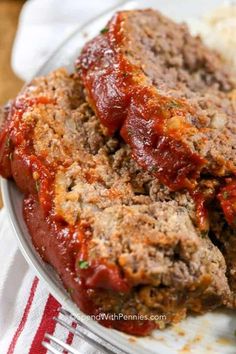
x,y
9,14
9,82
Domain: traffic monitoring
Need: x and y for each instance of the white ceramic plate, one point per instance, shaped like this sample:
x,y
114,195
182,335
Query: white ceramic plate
x,y
211,333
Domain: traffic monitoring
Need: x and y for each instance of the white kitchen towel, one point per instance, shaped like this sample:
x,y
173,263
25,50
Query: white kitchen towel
x,y
43,25
26,307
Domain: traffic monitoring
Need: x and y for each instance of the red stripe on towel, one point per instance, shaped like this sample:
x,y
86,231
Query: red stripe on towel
x,y
70,336
24,317
47,325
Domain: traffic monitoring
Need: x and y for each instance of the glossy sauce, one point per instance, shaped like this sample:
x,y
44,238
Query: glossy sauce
x,y
152,124
124,102
201,209
227,198
62,246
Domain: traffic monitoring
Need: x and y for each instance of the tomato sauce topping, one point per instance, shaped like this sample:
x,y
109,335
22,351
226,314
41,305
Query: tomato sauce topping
x,y
152,124
124,102
227,198
63,246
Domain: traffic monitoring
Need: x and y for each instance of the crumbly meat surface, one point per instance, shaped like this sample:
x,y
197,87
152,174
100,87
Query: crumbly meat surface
x,y
135,223
180,66
90,191
225,238
179,72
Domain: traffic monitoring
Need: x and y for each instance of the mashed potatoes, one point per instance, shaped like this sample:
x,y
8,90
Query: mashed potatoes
x,y
218,31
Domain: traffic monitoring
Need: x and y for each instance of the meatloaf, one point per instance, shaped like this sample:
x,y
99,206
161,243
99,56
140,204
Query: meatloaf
x,y
171,98
224,236
121,242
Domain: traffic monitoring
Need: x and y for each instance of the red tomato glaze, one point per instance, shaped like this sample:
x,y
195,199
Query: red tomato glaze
x,y
60,245
227,198
57,243
125,103
152,124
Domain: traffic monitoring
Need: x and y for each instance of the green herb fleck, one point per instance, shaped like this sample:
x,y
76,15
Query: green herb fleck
x,y
125,74
104,30
83,264
153,169
173,104
10,156
235,332
70,290
8,142
204,233
225,195
37,186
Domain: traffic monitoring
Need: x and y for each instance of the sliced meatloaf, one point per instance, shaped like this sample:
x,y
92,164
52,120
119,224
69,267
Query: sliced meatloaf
x,y
171,98
121,242
224,237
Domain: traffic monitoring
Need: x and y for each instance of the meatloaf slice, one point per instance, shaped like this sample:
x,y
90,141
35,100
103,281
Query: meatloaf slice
x,y
171,98
225,237
121,242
